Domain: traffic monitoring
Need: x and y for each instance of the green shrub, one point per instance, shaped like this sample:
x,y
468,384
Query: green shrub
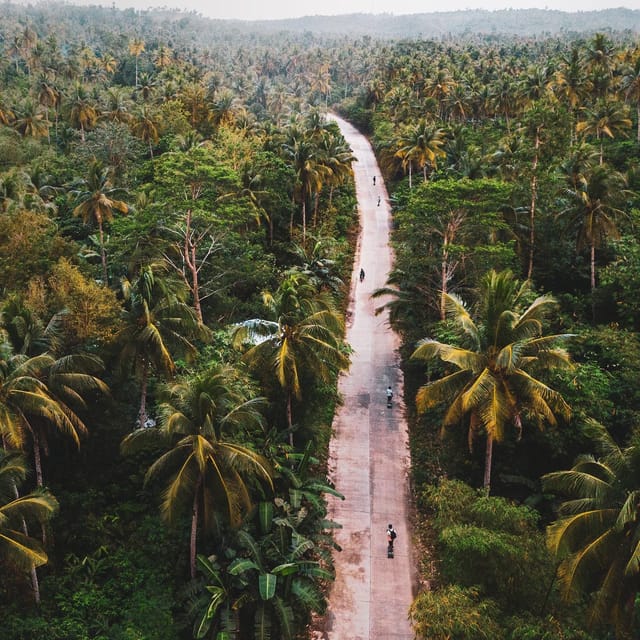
x,y
455,612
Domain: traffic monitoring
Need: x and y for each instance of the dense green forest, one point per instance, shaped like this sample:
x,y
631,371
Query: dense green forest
x,y
177,222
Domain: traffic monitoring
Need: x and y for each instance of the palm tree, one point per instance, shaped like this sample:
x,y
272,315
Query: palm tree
x,y
83,113
597,536
157,325
421,145
38,393
117,107
303,154
630,84
336,155
493,385
208,471
95,203
306,336
593,209
136,48
607,118
17,548
30,121
145,127
570,83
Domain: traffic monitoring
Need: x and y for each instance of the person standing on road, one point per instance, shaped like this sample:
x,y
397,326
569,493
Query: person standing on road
x,y
378,200
374,181
361,275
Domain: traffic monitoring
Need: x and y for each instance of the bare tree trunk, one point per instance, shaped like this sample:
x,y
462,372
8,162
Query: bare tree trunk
x,y
190,259
37,459
534,202
410,185
193,542
304,222
289,418
35,584
316,201
488,458
103,255
592,261
142,413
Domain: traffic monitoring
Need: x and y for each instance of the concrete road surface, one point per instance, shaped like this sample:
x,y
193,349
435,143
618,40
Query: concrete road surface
x,y
369,458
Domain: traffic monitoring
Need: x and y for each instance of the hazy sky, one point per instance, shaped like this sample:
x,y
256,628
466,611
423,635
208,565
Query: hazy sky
x,y
273,9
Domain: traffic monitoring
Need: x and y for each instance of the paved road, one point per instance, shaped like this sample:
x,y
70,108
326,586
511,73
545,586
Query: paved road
x,y
369,457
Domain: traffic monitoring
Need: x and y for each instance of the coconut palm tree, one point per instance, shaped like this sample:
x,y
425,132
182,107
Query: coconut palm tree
x,y
38,394
209,472
305,335
145,127
630,85
83,113
608,118
421,145
17,548
595,203
597,535
303,154
136,49
493,385
157,326
30,121
95,202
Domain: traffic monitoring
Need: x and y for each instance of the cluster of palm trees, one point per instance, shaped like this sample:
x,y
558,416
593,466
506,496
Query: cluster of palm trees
x,y
320,158
43,394
434,100
552,128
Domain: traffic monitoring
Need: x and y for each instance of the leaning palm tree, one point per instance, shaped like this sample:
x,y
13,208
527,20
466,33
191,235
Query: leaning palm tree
x,y
17,548
597,535
304,336
208,471
95,202
493,385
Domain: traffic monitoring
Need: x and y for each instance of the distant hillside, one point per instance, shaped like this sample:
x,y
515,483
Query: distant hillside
x,y
440,25
456,23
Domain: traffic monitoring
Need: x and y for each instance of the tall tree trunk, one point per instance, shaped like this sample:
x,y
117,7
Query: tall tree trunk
x,y
103,255
35,584
37,459
190,259
316,201
488,459
293,208
410,185
304,221
289,418
445,275
142,413
193,541
592,262
534,202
